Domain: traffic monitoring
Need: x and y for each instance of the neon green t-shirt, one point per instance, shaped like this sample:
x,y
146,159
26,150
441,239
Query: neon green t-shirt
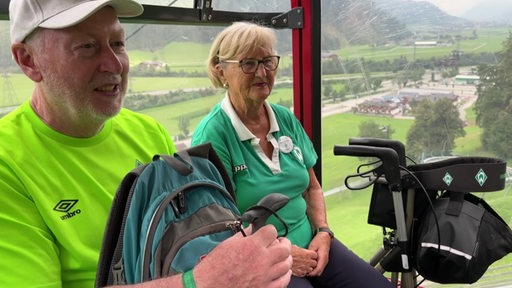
x,y
253,175
56,192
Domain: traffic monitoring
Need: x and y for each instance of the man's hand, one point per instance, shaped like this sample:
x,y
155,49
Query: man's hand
x,y
258,260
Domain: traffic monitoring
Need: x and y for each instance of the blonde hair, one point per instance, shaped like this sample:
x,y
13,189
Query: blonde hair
x,y
239,38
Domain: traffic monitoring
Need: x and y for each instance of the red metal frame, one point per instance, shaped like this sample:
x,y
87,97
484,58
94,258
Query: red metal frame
x,y
301,51
307,74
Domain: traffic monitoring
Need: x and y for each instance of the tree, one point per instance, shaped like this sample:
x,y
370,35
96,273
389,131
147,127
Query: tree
x,y
376,83
371,129
328,90
499,136
183,124
434,130
416,74
494,103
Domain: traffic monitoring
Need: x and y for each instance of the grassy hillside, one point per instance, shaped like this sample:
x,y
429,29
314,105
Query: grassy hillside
x,y
184,56
489,40
149,84
191,57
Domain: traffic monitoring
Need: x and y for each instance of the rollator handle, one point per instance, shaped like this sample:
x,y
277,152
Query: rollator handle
x,y
388,156
396,145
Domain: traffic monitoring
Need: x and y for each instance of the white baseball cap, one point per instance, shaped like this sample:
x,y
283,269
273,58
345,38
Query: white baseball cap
x,y
26,15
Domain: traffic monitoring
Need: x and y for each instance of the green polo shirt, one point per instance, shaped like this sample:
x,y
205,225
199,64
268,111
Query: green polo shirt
x,y
57,191
253,174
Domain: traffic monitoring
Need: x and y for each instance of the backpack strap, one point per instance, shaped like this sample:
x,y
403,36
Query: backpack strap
x,y
207,151
204,150
111,253
182,166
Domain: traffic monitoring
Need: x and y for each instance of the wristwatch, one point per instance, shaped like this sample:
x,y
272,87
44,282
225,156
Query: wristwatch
x,y
324,229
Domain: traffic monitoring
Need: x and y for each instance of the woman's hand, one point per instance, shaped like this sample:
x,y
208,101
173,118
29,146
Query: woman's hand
x,y
321,244
304,261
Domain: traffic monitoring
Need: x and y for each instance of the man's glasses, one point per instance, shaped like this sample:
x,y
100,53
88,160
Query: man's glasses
x,y
249,65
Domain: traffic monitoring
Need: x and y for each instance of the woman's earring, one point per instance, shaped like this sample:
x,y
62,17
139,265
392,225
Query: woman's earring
x,y
225,85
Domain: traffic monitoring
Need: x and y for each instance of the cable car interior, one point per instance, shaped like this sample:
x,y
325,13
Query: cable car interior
x,y
351,72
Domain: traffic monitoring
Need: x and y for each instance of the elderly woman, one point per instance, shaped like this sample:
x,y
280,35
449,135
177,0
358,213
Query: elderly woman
x,y
265,149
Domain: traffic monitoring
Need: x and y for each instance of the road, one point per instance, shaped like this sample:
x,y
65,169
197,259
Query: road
x,y
466,93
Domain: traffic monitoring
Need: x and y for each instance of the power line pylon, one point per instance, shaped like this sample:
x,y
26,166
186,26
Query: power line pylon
x,y
8,96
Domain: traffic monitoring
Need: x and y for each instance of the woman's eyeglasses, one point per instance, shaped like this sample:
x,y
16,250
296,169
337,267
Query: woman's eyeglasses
x,y
250,65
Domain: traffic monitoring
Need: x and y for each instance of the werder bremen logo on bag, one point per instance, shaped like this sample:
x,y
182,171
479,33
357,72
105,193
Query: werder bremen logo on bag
x,y
481,177
447,179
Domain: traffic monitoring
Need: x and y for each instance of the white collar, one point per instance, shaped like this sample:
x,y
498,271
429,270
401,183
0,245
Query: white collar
x,y
242,131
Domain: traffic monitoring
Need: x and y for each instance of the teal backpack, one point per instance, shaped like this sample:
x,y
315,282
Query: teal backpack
x,y
171,212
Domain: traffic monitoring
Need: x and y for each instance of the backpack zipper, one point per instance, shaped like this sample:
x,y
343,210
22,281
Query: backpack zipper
x,y
230,225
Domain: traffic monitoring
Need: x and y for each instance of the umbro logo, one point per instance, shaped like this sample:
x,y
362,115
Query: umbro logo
x,y
65,207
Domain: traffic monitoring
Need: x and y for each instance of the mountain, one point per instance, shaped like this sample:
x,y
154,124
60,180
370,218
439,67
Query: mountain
x,y
353,22
419,15
344,23
497,11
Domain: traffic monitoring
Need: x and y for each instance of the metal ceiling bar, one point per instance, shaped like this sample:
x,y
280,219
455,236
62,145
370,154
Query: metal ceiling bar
x,y
205,15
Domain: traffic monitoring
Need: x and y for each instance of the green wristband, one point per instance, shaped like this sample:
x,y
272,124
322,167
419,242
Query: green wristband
x,y
188,279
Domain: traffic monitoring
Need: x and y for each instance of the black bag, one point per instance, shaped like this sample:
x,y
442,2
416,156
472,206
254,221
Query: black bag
x,y
459,239
382,211
433,177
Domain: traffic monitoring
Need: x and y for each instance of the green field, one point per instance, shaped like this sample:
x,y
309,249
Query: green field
x,y
148,84
489,40
184,56
191,57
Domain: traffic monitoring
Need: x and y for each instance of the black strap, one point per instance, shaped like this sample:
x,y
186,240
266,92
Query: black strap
x,y
455,204
181,165
463,174
204,150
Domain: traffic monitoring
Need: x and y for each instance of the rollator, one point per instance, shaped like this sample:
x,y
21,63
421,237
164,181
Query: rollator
x,y
406,200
